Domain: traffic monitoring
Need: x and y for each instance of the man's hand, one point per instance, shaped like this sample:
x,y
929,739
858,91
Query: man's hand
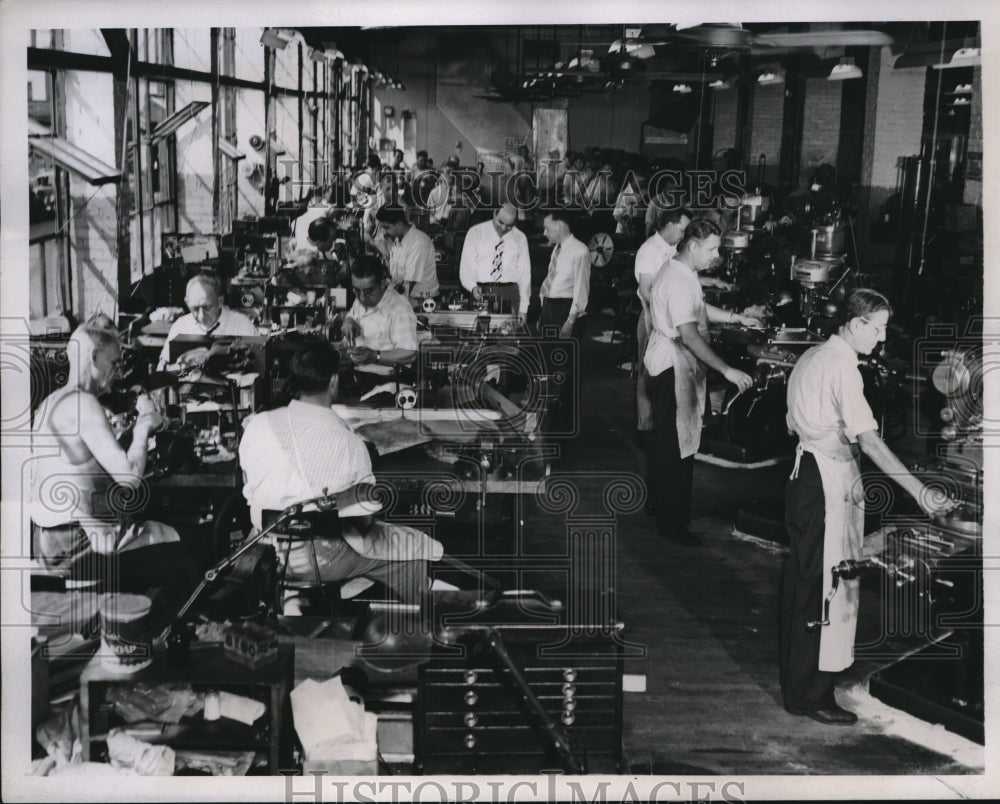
x,y
749,321
361,355
351,329
566,331
934,502
740,379
150,418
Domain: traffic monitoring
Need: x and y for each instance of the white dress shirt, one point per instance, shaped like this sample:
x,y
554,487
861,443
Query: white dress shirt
x,y
412,259
827,408
569,275
390,324
230,324
651,256
477,260
291,454
676,298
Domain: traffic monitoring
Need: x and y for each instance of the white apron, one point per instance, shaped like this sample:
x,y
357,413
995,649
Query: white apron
x,y
844,532
690,393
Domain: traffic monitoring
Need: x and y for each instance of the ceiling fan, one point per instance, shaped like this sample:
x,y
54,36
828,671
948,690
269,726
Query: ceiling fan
x,y
723,39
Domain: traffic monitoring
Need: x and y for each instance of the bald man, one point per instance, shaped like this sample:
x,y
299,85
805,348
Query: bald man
x,y
208,316
76,524
495,260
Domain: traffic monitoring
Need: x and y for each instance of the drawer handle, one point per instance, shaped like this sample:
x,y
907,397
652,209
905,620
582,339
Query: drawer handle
x,y
470,741
568,718
471,698
470,676
569,674
471,719
569,705
568,690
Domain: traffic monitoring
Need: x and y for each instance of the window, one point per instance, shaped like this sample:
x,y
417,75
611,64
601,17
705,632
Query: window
x,y
48,194
152,174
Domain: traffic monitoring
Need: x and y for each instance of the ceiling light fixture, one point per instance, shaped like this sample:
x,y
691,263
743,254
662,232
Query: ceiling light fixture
x,y
684,89
769,78
718,83
963,57
845,70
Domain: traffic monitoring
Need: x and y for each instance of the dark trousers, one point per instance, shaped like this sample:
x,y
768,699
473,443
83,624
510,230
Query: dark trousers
x,y
553,315
803,684
671,477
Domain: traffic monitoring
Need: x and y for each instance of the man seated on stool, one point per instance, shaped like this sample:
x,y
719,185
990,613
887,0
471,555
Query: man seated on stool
x,y
76,525
208,316
412,262
299,452
495,259
381,327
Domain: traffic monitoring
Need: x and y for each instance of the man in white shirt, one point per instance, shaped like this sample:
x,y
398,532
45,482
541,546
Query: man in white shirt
x,y
208,316
302,451
824,506
380,327
439,199
566,289
651,256
677,357
412,261
564,295
495,260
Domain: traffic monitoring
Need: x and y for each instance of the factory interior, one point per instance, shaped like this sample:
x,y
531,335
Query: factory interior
x,y
414,254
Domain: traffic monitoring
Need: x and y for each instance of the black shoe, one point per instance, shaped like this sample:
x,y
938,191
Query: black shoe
x,y
685,537
832,715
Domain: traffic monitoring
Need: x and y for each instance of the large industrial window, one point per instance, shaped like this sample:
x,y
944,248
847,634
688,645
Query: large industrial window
x,y
151,188
48,199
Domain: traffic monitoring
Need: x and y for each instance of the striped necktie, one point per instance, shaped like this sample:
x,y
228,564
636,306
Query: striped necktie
x,y
550,278
497,260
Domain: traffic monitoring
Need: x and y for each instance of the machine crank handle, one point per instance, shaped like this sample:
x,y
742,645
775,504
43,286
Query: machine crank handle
x,y
848,568
812,625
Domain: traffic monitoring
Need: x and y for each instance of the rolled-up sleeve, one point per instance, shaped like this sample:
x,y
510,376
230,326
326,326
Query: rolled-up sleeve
x,y
403,326
581,281
854,408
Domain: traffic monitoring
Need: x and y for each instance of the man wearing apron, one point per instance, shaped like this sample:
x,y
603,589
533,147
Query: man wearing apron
x,y
677,357
824,506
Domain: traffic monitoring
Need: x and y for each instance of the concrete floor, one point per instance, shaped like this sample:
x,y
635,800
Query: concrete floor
x,y
704,622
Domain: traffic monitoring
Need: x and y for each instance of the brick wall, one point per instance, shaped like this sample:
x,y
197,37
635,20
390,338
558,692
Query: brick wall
x,y
897,119
724,119
820,125
893,128
768,114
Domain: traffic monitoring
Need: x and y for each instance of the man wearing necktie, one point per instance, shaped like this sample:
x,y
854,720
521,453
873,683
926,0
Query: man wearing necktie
x,y
564,295
566,290
495,260
208,316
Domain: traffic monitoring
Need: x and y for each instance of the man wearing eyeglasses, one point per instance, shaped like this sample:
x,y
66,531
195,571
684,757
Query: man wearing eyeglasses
x,y
208,316
78,477
824,505
380,329
495,261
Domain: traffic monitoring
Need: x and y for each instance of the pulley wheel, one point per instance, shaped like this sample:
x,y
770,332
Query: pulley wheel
x,y
602,249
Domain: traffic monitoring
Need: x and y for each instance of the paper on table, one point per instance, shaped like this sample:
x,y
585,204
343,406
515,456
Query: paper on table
x,y
237,707
329,724
394,435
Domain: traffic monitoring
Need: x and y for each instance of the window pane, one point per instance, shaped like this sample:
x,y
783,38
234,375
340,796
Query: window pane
x,y
36,280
